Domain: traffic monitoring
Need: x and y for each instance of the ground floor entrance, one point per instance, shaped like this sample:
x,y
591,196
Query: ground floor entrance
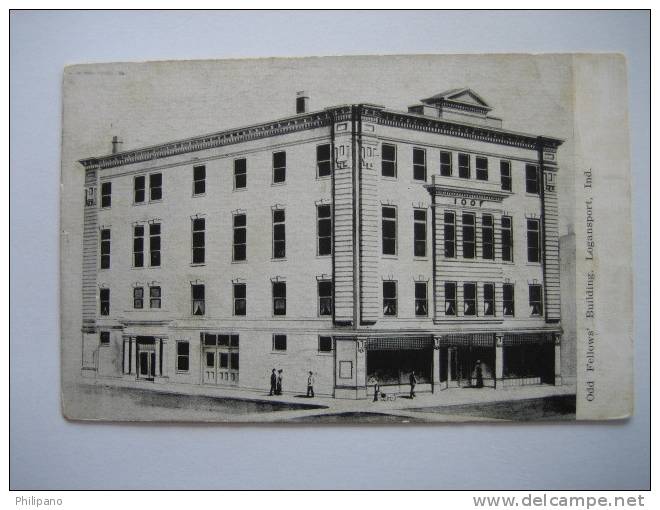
x,y
220,359
146,357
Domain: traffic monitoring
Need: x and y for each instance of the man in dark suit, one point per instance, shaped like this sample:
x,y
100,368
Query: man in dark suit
x,y
413,382
273,382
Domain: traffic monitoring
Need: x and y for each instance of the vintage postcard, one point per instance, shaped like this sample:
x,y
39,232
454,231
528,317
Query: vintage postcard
x,y
364,239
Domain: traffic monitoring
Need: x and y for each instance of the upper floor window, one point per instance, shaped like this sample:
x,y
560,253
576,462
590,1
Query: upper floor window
x,y
182,356
279,167
535,300
450,298
199,180
279,234
489,299
105,248
154,296
198,292
138,189
533,241
279,298
450,234
240,173
487,237
198,240
532,184
507,239
505,175
468,236
421,300
508,300
389,230
324,229
138,297
155,187
138,246
154,244
104,337
104,301
240,237
325,344
325,297
388,160
469,299
464,166
323,160
420,232
445,163
106,194
419,164
481,167
279,342
240,299
389,298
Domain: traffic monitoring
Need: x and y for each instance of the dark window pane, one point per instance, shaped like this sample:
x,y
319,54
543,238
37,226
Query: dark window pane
x,y
325,343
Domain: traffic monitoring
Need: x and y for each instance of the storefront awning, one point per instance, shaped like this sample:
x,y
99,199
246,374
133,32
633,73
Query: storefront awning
x,y
466,340
527,338
398,343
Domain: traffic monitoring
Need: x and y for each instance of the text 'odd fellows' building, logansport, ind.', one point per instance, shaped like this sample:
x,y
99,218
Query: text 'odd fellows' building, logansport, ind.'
x,y
356,242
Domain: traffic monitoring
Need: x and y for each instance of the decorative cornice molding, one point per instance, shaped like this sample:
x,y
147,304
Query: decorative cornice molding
x,y
470,193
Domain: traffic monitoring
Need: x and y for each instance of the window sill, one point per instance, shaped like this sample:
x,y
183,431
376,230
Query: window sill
x,y
239,261
283,183
197,264
421,259
278,259
182,372
278,352
139,203
329,255
325,354
196,195
160,200
323,177
391,257
240,189
389,178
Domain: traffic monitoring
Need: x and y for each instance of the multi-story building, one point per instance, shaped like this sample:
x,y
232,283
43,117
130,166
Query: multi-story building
x,y
356,242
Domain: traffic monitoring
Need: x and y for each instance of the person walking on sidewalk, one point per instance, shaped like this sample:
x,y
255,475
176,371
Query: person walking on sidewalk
x,y
273,383
310,384
413,382
479,374
278,389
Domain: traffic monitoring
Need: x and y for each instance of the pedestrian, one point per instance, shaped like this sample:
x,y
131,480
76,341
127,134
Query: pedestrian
x,y
310,384
479,374
413,382
278,388
273,383
376,390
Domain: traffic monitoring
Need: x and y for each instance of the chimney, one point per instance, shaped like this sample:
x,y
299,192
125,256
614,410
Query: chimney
x,y
116,144
302,102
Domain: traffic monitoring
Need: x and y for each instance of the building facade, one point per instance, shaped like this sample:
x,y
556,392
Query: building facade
x,y
356,242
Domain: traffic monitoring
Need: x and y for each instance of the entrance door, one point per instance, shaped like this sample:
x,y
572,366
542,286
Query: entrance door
x,y
209,366
146,358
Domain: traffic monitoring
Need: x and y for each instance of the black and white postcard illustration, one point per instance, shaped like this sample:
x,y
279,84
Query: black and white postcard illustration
x,y
377,239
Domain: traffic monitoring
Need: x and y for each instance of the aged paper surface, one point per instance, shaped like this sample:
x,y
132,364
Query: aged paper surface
x,y
347,239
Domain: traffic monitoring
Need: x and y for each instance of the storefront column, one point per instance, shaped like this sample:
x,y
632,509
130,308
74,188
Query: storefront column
x,y
361,367
557,359
126,359
165,357
157,343
132,362
499,359
437,359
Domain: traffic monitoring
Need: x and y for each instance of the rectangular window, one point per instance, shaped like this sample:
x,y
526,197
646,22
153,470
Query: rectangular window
x,y
199,180
505,175
279,166
240,299
154,296
279,342
104,300
138,189
421,300
489,299
507,239
533,241
388,160
240,173
508,300
198,240
182,356
468,235
419,164
324,229
279,298
105,248
240,237
279,234
450,298
445,163
138,246
138,297
535,300
106,194
389,230
154,244
469,299
481,166
389,298
155,187
450,234
532,179
325,344
464,166
420,232
198,299
325,297
323,160
487,237
104,337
